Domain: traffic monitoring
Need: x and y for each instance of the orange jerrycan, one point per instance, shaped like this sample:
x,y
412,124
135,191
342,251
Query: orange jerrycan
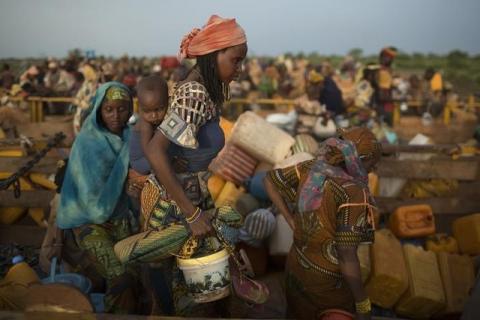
x,y
412,221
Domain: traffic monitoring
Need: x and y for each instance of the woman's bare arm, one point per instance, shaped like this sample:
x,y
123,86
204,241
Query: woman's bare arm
x,y
278,201
350,268
156,153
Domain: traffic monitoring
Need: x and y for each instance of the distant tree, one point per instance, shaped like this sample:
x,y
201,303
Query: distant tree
x,y
75,53
357,53
457,59
300,55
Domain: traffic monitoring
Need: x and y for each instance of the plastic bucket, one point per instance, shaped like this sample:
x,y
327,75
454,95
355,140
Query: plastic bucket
x,y
208,277
74,279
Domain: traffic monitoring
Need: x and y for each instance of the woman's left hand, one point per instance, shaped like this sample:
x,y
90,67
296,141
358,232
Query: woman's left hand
x,y
135,183
202,227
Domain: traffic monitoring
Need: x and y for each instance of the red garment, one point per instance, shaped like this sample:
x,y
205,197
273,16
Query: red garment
x,y
217,34
169,62
130,80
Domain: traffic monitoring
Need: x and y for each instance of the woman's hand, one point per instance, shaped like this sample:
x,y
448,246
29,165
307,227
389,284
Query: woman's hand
x,y
202,227
135,183
55,251
56,246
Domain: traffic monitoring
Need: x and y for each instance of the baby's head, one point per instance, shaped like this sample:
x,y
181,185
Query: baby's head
x,y
152,92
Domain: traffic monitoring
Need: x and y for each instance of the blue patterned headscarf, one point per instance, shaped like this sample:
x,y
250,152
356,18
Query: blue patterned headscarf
x,y
96,171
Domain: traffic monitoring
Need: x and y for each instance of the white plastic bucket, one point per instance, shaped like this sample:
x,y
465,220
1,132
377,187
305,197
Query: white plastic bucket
x,y
207,278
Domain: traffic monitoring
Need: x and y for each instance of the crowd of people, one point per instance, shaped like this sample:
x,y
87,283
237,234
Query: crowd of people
x,y
139,195
340,88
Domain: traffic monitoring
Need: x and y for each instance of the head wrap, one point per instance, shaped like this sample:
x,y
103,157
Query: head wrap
x,y
348,148
217,34
389,51
117,93
364,141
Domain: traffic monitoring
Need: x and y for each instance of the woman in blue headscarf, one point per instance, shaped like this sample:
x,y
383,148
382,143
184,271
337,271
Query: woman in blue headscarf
x,y
93,202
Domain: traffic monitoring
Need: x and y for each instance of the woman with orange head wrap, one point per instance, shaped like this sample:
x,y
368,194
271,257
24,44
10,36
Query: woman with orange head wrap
x,y
175,202
333,215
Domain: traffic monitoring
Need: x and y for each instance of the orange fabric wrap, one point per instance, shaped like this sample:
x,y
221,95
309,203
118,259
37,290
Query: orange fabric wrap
x,y
218,33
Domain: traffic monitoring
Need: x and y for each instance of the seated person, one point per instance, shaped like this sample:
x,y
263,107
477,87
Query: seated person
x,y
152,93
93,203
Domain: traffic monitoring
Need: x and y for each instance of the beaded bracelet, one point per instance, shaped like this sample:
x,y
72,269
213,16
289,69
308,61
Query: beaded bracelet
x,y
197,217
194,216
363,306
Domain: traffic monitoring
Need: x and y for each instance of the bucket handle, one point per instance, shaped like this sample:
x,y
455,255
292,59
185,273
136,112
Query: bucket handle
x,y
53,269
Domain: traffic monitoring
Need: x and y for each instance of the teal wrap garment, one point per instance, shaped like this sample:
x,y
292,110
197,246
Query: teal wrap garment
x,y
96,171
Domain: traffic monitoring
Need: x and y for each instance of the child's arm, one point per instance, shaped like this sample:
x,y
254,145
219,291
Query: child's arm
x,y
146,133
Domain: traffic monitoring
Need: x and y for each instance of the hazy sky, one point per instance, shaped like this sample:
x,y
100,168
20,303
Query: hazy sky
x,y
149,27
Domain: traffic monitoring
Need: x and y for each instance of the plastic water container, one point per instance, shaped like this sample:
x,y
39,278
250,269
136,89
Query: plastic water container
x,y
425,296
412,221
324,131
215,185
229,195
388,277
256,186
260,139
293,160
441,243
21,272
458,277
208,277
233,164
467,232
363,253
305,143
74,279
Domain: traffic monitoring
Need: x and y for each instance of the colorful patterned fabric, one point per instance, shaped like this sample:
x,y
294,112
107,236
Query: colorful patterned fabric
x,y
117,93
314,278
311,193
96,171
166,235
98,241
165,231
190,108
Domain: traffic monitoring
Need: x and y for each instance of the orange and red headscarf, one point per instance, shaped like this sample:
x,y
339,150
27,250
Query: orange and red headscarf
x,y
217,34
